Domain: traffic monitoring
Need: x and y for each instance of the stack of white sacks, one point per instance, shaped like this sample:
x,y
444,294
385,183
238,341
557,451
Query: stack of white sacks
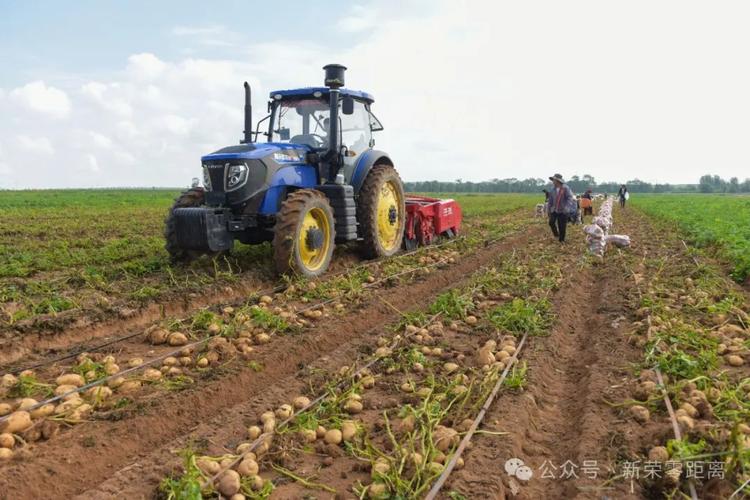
x,y
597,233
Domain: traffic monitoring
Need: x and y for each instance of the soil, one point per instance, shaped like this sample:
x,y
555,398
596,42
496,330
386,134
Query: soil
x,y
127,458
566,421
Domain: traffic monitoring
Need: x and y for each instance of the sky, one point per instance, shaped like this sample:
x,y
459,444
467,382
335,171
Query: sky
x,y
105,94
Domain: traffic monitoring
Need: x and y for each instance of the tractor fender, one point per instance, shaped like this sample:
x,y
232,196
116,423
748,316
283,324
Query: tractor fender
x,y
283,181
366,161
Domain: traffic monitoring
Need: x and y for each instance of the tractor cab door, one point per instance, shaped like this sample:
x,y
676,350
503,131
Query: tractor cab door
x,y
356,137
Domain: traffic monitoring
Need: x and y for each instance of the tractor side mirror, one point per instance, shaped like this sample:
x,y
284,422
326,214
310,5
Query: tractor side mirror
x,y
284,134
347,106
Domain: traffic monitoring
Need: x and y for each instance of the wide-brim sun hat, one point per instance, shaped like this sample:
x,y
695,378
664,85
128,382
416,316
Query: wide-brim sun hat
x,y
557,177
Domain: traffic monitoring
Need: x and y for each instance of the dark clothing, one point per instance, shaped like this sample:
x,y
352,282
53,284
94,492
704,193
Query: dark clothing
x,y
621,196
559,223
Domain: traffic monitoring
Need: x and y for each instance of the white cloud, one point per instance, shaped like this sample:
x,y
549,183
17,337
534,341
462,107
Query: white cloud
x,y
92,162
145,66
359,18
473,90
37,96
100,140
34,145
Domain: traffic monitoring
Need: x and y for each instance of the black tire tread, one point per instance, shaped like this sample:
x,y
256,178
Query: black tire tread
x,y
192,197
367,211
285,230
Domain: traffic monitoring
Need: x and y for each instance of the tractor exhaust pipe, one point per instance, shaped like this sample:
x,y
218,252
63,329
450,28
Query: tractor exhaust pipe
x,y
334,80
248,132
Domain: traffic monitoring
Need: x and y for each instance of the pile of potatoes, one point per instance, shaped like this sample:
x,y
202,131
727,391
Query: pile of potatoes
x,y
732,348
491,355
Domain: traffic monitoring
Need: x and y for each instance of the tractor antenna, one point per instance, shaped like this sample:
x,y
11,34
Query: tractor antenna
x,y
248,132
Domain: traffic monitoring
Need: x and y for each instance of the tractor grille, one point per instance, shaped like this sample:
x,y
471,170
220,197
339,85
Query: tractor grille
x,y
216,174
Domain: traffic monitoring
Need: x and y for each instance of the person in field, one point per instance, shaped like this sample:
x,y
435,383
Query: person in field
x,y
561,199
587,204
623,195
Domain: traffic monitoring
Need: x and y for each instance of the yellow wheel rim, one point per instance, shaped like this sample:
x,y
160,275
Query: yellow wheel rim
x,y
389,216
313,253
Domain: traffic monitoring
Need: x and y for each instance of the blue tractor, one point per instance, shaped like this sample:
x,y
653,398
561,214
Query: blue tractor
x,y
315,182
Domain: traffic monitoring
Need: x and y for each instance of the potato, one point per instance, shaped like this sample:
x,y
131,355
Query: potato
x,y
67,406
417,367
658,454
248,467
407,387
177,339
485,356
459,463
266,416
353,406
129,386
284,411
445,438
253,432
18,421
6,454
301,402
368,382
116,382
201,363
170,361
187,360
382,352
381,466
25,403
377,490
151,374
348,430
333,436
7,440
8,381
406,424
214,329
111,368
269,425
689,409
640,413
208,466
308,435
237,496
43,411
320,432
266,299
424,392
158,336
735,360
5,409
263,338
686,422
471,320
70,379
132,363
256,482
450,367
228,483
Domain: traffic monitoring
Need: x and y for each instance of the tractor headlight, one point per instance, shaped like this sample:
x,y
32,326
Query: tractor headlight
x,y
236,176
206,178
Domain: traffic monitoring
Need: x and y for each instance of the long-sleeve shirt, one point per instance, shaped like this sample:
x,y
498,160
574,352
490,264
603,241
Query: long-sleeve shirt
x,y
560,199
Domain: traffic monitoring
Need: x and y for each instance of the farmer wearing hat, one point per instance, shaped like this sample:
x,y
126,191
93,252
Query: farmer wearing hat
x,y
560,200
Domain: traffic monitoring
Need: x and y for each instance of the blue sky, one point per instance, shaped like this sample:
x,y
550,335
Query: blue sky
x,y
67,38
115,93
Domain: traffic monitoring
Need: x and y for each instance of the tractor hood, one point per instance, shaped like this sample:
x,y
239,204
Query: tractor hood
x,y
278,151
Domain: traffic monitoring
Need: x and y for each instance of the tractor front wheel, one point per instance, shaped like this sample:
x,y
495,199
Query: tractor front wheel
x,y
304,234
382,212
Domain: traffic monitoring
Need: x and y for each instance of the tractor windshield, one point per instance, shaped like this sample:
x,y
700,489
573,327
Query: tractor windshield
x,y
301,121
305,121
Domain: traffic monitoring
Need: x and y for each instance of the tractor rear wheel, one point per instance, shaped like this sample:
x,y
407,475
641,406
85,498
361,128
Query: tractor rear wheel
x,y
382,212
193,197
304,234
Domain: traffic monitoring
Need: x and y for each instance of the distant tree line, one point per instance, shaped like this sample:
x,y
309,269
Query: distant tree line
x,y
707,184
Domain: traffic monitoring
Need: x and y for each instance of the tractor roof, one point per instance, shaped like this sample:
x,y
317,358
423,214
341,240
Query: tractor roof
x,y
308,91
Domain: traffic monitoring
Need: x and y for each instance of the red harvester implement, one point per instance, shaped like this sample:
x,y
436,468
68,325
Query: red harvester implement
x,y
428,218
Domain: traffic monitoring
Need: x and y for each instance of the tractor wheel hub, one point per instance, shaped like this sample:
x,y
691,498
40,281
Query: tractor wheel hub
x,y
392,215
314,239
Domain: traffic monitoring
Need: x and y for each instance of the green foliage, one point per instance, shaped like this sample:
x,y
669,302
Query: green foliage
x,y
187,486
516,378
452,304
718,223
520,316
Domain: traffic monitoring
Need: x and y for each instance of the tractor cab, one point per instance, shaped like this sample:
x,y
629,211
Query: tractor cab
x,y
302,117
